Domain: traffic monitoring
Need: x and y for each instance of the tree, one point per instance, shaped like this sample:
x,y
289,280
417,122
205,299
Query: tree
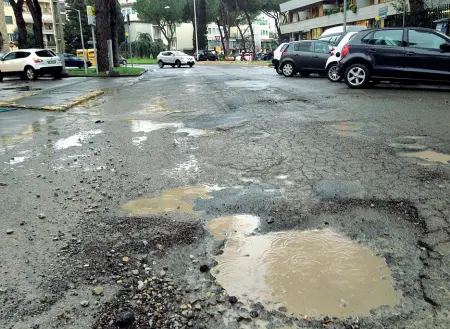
x,y
36,13
103,12
207,12
72,25
17,7
272,9
163,13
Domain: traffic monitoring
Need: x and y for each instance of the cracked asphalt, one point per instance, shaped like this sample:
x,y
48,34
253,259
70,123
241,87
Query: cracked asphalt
x,y
300,153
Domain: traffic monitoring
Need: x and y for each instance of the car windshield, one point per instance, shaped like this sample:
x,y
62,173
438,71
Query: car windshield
x,y
180,53
45,53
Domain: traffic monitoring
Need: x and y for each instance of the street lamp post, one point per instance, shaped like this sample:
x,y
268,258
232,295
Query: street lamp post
x,y
345,17
82,42
196,35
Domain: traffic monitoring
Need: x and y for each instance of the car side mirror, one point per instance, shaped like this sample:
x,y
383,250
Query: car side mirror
x,y
445,47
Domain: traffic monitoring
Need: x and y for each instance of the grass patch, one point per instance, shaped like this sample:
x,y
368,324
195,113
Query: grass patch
x,y
141,61
124,71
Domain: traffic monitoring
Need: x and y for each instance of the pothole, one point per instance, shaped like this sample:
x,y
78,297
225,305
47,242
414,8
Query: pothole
x,y
408,144
178,200
310,273
147,126
356,129
75,140
193,132
430,156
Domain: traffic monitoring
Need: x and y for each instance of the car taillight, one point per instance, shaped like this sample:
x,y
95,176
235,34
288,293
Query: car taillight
x,y
344,51
284,52
332,51
37,60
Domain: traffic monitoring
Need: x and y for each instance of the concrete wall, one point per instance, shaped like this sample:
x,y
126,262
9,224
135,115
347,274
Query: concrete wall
x,y
294,4
184,33
336,19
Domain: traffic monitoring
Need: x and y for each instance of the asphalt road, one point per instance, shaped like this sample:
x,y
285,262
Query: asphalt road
x,y
299,153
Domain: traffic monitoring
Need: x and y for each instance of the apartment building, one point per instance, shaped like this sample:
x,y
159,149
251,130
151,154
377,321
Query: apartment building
x,y
51,19
183,32
307,19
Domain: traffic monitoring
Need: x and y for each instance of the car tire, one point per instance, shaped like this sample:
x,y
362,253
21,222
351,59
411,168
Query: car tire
x,y
173,65
178,63
304,74
278,69
332,74
57,75
1,78
191,65
288,69
357,76
124,62
160,64
30,73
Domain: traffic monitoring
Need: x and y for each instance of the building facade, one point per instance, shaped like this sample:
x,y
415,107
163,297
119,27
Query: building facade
x,y
3,30
51,19
307,19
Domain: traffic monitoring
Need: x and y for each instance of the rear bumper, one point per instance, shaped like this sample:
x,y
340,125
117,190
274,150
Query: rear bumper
x,y
49,70
275,63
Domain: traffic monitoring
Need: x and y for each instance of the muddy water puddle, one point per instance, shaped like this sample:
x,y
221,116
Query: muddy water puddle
x,y
317,272
430,156
356,129
178,200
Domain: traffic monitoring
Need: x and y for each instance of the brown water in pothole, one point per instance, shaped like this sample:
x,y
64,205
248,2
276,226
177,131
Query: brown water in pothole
x,y
226,227
356,129
430,156
179,200
310,273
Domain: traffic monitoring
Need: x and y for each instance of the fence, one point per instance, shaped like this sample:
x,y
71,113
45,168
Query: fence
x,y
419,18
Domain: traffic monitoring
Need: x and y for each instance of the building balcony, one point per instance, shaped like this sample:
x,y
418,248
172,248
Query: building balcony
x,y
362,13
46,18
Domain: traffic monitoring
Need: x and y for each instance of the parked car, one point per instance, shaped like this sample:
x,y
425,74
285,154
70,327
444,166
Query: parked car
x,y
30,63
175,58
396,55
277,56
305,57
247,57
206,55
260,56
122,60
334,34
71,60
335,54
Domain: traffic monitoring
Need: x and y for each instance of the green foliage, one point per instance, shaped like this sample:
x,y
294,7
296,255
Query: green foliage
x,y
143,47
72,25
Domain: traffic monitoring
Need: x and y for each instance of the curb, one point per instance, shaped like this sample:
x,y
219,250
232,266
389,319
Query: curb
x,y
243,63
106,76
81,99
8,101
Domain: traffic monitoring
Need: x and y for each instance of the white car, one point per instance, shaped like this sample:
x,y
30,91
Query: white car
x,y
335,55
175,58
277,57
30,63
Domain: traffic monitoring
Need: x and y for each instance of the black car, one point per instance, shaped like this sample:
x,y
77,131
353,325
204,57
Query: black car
x,y
72,60
305,57
206,55
395,55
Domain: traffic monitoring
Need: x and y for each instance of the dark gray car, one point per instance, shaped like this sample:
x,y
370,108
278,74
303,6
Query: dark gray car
x,y
305,57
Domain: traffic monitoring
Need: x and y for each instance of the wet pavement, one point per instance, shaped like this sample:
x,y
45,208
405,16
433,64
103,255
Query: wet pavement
x,y
225,197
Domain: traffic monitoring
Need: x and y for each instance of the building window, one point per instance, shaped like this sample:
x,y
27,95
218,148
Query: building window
x,y
124,12
128,11
11,37
9,20
133,11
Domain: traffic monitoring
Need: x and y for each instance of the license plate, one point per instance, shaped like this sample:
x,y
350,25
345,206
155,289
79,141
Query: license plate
x,y
51,62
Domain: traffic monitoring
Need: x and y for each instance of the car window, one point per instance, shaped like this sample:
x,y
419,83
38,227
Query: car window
x,y
389,38
22,54
166,53
321,47
302,46
45,53
10,56
180,53
424,39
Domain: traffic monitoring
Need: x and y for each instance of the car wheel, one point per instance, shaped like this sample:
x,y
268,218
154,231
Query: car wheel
x,y
1,78
124,62
178,63
173,65
332,73
278,69
357,76
304,74
57,75
191,65
30,73
160,64
288,69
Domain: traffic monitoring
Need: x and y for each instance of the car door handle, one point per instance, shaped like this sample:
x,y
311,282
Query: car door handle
x,y
371,51
315,56
410,53
297,55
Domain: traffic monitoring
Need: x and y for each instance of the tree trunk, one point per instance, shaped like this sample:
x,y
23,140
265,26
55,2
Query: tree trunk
x,y
115,21
21,26
202,26
36,13
242,35
102,18
249,21
222,38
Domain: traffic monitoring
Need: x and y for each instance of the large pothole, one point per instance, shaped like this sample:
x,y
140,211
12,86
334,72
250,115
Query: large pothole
x,y
312,273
